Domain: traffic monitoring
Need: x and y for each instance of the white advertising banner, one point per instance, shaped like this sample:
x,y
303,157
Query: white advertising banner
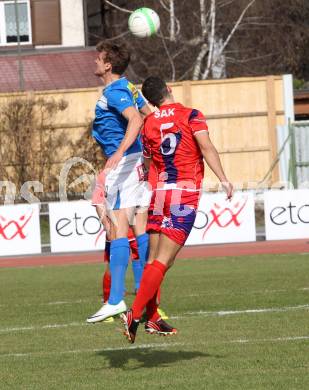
x,y
286,214
75,227
20,229
221,221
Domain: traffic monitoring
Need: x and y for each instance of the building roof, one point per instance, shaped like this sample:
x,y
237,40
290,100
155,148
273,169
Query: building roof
x,y
301,104
49,70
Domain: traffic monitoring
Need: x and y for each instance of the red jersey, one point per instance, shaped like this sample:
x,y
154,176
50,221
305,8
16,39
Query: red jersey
x,y
168,138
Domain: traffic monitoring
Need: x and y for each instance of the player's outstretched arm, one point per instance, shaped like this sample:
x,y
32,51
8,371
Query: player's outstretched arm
x,y
145,110
135,123
212,159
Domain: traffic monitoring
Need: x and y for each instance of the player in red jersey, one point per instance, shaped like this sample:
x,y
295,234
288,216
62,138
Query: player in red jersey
x,y
175,139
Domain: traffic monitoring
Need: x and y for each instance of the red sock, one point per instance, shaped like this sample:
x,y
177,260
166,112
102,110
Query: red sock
x,y
151,280
152,308
106,285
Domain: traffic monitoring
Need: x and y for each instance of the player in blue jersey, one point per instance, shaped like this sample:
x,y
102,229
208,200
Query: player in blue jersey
x,y
116,128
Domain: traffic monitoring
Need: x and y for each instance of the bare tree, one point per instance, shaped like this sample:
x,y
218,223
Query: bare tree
x,y
213,38
188,30
31,150
27,142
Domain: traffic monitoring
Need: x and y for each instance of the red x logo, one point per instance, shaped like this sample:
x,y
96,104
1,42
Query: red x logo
x,y
9,229
226,212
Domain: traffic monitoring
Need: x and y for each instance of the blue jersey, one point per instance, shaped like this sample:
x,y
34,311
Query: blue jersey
x,y
109,126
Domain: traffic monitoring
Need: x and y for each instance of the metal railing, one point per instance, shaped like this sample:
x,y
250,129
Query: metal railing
x,y
299,153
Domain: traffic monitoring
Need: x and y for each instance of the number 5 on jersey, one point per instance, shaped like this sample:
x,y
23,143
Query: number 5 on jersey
x,y
170,140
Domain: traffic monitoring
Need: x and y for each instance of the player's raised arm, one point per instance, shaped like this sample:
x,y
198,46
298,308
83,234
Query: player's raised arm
x,y
212,159
142,105
145,110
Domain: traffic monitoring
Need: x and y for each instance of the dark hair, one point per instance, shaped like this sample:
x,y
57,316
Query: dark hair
x,y
117,55
155,90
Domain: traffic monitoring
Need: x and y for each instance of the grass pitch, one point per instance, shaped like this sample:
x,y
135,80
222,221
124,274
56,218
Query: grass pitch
x,y
243,324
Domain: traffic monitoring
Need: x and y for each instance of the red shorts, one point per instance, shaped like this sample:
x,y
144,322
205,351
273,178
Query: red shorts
x,y
172,212
133,247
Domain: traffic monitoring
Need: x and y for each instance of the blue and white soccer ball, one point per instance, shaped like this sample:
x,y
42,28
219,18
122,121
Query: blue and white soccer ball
x,y
144,22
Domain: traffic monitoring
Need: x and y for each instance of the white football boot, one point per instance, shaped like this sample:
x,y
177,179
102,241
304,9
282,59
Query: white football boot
x,y
107,311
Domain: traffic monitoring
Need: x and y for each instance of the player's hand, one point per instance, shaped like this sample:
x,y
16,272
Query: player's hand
x,y
107,225
228,188
101,211
112,162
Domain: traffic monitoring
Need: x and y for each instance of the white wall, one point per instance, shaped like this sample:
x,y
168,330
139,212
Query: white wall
x,y
72,22
283,130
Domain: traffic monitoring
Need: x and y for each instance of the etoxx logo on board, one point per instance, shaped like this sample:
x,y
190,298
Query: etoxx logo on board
x,y
75,226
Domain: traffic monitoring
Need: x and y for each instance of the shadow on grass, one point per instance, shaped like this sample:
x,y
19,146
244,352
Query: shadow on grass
x,y
147,358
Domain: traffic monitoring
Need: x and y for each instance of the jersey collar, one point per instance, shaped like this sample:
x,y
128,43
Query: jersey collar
x,y
114,82
171,104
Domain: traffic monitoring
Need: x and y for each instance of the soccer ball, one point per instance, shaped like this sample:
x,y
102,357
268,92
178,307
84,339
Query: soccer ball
x,y
144,22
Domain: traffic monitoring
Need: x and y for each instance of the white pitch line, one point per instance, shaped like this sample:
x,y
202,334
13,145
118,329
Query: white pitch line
x,y
278,339
56,303
48,326
185,315
252,292
247,311
77,351
153,346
